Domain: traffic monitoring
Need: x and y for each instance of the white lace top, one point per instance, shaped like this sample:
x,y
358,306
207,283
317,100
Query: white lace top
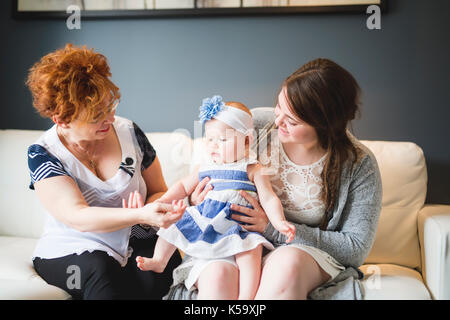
x,y
298,187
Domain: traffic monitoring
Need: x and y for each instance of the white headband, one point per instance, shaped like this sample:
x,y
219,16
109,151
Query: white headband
x,y
235,118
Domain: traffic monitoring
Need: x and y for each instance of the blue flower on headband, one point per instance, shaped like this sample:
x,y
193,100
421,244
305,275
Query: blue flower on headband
x,y
210,107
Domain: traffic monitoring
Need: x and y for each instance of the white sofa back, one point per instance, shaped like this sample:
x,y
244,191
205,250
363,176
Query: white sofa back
x,y
21,214
404,178
402,167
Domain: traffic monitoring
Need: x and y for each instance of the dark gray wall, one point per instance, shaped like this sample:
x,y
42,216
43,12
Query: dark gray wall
x,y
164,67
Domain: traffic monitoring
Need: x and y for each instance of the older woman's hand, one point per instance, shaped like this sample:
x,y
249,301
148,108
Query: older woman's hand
x,y
157,213
162,215
256,218
135,200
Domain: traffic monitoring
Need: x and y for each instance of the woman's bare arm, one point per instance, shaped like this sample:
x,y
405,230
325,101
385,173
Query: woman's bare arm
x,y
62,198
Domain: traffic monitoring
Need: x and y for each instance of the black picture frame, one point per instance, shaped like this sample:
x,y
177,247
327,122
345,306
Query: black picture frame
x,y
195,12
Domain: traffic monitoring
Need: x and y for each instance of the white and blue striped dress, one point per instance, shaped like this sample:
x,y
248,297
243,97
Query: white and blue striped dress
x,y
207,231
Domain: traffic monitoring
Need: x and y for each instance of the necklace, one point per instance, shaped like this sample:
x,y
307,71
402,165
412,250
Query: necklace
x,y
93,166
83,154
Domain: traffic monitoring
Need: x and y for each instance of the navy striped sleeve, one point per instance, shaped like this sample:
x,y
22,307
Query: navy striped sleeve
x,y
43,165
146,147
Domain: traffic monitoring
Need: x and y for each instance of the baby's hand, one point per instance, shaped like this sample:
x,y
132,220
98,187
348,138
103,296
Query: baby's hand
x,y
286,228
178,206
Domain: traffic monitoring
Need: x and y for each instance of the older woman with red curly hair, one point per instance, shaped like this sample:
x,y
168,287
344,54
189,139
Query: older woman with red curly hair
x,y
82,169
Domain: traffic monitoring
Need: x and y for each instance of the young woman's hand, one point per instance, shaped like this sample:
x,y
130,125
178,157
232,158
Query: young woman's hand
x,y
255,218
199,193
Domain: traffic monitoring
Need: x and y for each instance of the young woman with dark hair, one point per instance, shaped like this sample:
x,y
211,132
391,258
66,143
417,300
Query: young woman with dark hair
x,y
329,185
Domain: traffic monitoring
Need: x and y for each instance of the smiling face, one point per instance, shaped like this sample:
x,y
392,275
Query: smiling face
x,y
98,129
223,143
291,129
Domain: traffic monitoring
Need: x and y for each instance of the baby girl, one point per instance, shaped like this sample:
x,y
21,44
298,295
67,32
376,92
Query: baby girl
x,y
206,232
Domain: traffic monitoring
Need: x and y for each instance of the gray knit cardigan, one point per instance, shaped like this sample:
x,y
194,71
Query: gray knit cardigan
x,y
350,232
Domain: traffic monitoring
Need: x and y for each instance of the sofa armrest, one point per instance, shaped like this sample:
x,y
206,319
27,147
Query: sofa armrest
x,y
434,237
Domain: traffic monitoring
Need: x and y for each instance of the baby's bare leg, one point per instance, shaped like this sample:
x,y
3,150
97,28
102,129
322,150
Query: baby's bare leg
x,y
163,252
218,281
249,264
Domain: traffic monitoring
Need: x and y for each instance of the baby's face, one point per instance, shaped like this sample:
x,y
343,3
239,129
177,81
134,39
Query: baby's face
x,y
223,143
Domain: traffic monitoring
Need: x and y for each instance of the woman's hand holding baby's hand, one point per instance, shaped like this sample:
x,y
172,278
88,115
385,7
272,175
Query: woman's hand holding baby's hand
x,y
173,214
157,213
286,228
178,206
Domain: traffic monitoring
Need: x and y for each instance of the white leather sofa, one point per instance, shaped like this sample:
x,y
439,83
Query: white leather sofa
x,y
410,258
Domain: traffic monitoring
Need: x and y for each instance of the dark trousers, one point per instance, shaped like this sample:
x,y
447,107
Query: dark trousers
x,y
97,276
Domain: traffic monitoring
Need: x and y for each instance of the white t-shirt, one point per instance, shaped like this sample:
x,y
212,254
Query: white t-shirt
x,y
48,157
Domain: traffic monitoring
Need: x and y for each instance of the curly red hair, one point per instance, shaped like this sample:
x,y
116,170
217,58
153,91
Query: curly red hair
x,y
72,83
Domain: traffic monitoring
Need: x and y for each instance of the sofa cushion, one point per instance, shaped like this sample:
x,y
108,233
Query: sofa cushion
x,y
174,151
33,289
21,214
404,178
392,282
18,279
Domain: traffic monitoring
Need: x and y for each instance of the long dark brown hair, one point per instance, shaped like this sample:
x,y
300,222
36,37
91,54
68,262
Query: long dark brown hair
x,y
326,96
